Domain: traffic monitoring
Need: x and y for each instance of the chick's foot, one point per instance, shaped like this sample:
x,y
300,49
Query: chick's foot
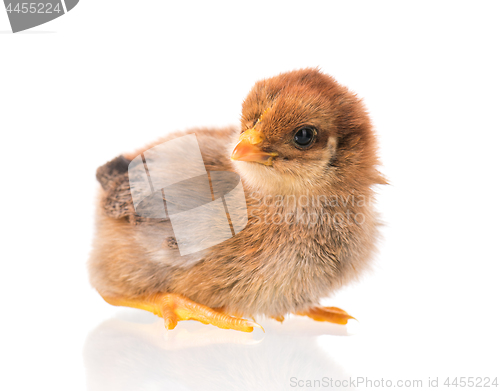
x,y
327,314
173,308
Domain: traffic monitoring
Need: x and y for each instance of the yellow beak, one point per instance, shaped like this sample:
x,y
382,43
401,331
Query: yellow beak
x,y
247,149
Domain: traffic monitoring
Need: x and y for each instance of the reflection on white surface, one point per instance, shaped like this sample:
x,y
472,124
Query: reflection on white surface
x,y
135,352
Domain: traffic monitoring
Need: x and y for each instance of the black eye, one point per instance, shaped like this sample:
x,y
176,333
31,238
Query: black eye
x,y
304,136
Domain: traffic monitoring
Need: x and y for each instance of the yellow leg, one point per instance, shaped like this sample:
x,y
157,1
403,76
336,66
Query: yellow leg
x,y
173,308
327,314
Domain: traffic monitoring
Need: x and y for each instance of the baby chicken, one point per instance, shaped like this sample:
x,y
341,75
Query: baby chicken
x,y
307,158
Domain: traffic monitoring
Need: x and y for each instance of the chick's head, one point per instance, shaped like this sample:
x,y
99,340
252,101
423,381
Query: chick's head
x,y
302,131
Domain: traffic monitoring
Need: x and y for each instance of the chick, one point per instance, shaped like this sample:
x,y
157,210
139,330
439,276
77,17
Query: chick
x,y
307,157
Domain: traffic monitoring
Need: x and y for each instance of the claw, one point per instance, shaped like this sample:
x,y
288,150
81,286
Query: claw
x,y
255,324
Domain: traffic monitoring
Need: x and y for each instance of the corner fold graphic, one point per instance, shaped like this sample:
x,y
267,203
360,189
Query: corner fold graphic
x,y
70,4
24,15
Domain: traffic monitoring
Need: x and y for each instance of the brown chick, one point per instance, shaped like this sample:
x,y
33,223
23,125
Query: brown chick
x,y
306,155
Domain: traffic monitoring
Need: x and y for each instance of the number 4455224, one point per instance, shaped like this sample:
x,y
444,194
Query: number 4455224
x,y
34,8
471,382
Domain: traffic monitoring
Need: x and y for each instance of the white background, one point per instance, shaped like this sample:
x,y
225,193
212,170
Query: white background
x,y
113,75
